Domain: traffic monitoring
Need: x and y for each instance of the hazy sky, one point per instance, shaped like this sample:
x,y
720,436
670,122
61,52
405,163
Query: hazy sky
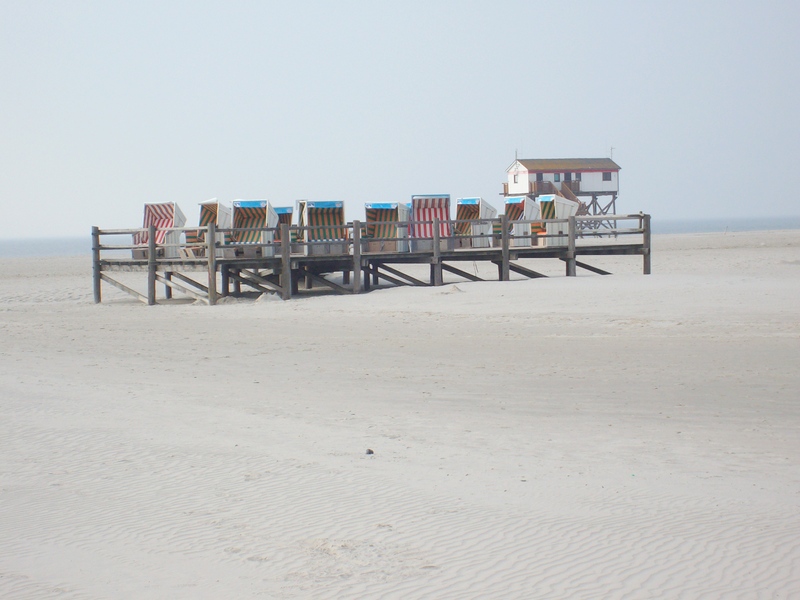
x,y
107,105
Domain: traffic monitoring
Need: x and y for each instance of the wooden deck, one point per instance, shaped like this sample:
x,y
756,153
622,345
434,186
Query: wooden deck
x,y
279,267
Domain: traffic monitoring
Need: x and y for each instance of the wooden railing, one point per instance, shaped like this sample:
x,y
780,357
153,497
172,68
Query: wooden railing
x,y
561,235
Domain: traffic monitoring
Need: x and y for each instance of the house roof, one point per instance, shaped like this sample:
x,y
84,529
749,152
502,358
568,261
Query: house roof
x,y
555,165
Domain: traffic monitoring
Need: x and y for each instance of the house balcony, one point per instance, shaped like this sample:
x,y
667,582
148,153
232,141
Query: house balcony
x,y
574,186
537,188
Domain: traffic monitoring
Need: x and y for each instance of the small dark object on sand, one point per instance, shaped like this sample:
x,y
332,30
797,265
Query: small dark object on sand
x,y
369,451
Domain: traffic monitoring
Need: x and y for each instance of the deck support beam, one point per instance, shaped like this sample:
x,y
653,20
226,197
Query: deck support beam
x,y
356,257
436,261
375,272
151,265
288,282
211,254
461,273
505,250
583,265
646,244
252,280
171,284
121,286
570,257
96,267
319,279
400,274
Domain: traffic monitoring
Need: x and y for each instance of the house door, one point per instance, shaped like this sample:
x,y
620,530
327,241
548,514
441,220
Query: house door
x,y
567,176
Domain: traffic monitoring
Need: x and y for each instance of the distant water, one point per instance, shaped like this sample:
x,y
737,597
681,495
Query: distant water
x,y
83,246
723,225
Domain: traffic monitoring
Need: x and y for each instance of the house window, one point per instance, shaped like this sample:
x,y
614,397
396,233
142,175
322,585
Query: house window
x,y
557,177
567,176
516,178
606,176
577,176
540,177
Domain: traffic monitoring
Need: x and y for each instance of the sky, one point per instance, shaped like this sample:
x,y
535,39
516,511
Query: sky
x,y
107,105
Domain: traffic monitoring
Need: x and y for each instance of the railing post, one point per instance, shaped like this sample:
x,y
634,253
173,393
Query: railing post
x,y
505,243
436,262
96,278
167,288
571,266
286,262
211,253
645,244
151,265
356,257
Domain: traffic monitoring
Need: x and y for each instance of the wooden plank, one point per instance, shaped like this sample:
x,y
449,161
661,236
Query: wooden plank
x,y
335,287
177,286
374,270
461,273
583,265
190,281
237,277
400,274
124,288
250,275
521,270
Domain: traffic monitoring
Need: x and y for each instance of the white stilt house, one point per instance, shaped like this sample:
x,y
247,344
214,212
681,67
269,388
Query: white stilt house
x,y
592,182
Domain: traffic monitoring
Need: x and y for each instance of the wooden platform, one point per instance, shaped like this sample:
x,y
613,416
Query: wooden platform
x,y
228,272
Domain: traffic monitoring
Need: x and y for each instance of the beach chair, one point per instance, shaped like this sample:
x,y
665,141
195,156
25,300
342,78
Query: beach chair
x,y
218,214
523,208
557,207
426,208
330,233
260,219
474,235
387,227
164,216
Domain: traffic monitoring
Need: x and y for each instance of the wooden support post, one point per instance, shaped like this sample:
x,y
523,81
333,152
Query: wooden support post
x,y
570,258
505,242
151,265
436,264
646,244
356,257
211,253
365,277
167,288
96,279
287,285
225,273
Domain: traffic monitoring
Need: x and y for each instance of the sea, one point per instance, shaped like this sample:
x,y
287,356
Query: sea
x,y
82,246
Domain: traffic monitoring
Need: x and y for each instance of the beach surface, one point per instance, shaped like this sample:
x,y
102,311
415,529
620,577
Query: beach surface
x,y
626,436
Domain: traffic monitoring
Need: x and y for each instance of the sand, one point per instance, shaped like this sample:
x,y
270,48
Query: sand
x,y
590,437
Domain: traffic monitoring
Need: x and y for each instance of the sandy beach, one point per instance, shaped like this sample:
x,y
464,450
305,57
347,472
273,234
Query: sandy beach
x,y
593,437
